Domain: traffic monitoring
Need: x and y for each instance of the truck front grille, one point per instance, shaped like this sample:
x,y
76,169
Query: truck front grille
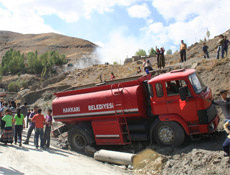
x,y
207,115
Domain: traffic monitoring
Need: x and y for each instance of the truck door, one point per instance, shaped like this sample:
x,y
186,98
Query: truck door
x,y
158,102
185,109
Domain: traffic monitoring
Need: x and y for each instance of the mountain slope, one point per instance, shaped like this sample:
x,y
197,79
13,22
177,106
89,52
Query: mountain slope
x,y
73,48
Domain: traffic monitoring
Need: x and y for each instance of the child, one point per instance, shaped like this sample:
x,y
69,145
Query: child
x,y
112,76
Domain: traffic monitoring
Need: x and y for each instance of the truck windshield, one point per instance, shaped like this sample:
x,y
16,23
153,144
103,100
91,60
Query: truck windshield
x,y
197,83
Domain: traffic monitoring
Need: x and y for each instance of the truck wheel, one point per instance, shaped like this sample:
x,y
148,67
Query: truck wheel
x,y
79,138
169,134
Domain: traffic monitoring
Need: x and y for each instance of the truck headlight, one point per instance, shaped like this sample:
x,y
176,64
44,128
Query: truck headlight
x,y
211,127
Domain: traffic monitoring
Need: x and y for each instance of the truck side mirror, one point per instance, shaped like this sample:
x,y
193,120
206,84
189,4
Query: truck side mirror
x,y
183,93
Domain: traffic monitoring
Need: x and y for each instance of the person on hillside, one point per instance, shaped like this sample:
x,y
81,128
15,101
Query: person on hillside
x,y
205,50
158,55
162,58
224,104
112,76
24,111
49,120
32,125
39,121
225,46
147,66
19,124
7,136
226,144
183,48
220,49
138,70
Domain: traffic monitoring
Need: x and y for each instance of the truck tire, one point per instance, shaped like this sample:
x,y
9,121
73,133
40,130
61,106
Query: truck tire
x,y
169,134
79,137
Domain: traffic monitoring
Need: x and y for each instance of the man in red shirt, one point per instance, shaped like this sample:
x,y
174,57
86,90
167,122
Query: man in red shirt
x,y
39,120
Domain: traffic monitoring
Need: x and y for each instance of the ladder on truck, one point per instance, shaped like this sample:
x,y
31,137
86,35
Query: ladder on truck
x,y
120,113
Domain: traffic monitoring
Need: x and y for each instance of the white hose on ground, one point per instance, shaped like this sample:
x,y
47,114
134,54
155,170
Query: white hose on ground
x,y
114,157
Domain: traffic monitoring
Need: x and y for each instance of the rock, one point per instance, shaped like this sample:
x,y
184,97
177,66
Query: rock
x,y
90,150
216,161
130,167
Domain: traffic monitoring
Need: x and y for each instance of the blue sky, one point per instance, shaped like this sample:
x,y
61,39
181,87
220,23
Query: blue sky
x,y
120,26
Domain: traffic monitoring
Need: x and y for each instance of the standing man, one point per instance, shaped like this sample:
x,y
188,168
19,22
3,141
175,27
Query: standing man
x,y
183,48
49,119
32,125
39,120
225,46
224,104
205,50
220,49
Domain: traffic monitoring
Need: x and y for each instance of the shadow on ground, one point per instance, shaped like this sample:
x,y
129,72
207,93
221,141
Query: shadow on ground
x,y
10,171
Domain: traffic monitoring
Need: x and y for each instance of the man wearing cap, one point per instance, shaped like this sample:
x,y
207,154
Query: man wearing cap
x,y
224,104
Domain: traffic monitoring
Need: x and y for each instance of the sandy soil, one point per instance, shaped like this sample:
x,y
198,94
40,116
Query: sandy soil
x,y
27,160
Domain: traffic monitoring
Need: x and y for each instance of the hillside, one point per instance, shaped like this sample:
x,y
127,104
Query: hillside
x,y
72,48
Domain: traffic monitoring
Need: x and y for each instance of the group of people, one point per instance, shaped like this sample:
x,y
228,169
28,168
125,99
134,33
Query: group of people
x,y
13,119
160,57
222,48
147,65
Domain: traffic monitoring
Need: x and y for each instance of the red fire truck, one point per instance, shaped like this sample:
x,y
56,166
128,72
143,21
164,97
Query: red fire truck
x,y
163,109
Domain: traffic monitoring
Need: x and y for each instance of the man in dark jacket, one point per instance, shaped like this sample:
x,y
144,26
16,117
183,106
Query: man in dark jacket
x,y
225,46
32,125
205,50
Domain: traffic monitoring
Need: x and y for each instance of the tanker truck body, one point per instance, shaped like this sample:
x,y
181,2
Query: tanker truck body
x,y
163,109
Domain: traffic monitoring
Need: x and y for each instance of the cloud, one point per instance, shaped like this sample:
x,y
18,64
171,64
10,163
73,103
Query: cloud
x,y
139,11
68,10
189,20
27,22
26,16
181,10
119,46
156,28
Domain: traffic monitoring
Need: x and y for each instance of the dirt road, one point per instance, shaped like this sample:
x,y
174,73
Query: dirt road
x,y
27,160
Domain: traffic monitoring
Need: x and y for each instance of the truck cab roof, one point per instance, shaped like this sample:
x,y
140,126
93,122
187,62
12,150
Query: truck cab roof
x,y
175,74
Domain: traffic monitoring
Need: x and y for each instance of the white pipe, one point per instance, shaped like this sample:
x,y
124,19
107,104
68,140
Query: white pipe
x,y
114,157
